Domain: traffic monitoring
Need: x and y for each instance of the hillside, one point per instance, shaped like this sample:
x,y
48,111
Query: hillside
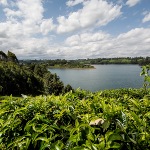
x,y
29,79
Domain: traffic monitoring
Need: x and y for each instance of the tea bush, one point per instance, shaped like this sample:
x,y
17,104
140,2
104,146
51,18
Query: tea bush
x,y
64,122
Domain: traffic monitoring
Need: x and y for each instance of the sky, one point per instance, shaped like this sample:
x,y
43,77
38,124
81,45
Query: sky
x,y
75,29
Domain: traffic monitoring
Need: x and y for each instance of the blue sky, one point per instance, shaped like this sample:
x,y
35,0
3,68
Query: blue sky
x,y
75,29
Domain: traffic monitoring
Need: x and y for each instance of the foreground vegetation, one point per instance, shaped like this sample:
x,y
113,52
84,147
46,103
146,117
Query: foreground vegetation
x,y
68,122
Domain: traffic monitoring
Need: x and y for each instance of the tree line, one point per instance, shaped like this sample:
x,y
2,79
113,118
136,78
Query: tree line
x,y
87,63
118,60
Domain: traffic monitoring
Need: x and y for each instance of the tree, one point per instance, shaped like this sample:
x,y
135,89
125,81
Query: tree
x,y
30,78
3,56
68,88
12,57
52,84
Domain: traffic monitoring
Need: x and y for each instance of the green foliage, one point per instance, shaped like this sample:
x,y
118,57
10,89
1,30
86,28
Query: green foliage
x,y
9,57
145,72
12,57
68,88
3,56
63,122
119,60
52,84
31,79
18,80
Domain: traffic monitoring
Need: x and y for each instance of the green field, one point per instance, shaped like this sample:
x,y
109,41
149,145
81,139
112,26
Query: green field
x,y
64,122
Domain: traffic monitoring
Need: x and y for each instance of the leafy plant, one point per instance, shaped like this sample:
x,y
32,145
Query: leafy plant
x,y
64,122
145,72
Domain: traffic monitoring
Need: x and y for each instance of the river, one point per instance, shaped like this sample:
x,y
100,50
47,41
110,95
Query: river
x,y
102,77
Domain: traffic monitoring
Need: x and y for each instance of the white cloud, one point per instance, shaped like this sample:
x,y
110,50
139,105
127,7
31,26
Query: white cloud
x,y
132,45
21,32
74,2
24,21
146,18
11,13
32,11
47,26
3,2
11,29
26,16
86,38
27,10
103,45
132,3
73,40
94,12
27,19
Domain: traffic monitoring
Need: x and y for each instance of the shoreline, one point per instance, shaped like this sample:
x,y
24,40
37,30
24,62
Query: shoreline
x,y
50,67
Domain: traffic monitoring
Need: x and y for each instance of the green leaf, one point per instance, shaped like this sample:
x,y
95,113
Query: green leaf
x,y
135,103
76,123
136,118
114,137
124,119
133,141
120,124
116,145
78,148
93,147
105,125
103,105
90,136
42,139
57,147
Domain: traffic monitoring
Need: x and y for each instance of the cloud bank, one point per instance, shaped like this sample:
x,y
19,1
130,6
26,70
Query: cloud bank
x,y
104,45
27,33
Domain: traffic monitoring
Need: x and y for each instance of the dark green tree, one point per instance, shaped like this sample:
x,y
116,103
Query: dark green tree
x,y
12,57
52,84
3,56
68,88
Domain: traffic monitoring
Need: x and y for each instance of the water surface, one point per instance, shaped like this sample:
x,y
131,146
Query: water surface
x,y
102,77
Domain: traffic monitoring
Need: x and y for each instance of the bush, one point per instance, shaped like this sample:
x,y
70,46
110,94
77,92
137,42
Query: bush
x,y
66,121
